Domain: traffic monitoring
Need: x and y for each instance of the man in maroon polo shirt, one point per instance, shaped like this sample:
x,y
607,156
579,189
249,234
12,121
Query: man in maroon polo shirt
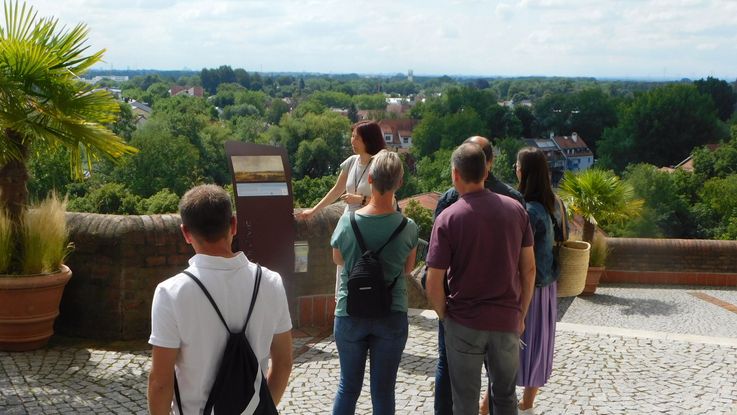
x,y
484,241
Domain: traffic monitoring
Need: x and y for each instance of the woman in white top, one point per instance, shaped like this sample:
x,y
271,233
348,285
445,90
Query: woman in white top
x,y
352,186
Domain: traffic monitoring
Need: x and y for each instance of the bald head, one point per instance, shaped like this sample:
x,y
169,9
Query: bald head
x,y
485,145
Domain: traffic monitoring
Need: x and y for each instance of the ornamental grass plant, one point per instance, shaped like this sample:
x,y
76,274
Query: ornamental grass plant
x,y
45,236
599,252
6,241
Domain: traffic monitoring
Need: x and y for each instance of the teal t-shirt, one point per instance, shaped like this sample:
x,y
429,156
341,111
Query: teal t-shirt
x,y
375,229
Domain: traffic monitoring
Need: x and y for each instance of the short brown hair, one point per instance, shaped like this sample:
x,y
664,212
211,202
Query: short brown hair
x,y
470,162
206,212
371,135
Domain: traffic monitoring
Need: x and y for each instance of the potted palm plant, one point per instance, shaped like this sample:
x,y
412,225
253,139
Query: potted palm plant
x,y
43,104
598,195
597,264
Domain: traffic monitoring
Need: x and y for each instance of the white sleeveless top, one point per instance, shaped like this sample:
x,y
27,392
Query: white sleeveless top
x,y
357,179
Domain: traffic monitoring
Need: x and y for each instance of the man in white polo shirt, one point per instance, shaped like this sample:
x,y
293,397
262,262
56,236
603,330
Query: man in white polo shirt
x,y
186,332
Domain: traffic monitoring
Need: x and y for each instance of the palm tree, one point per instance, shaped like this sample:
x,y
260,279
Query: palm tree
x,y
44,103
598,195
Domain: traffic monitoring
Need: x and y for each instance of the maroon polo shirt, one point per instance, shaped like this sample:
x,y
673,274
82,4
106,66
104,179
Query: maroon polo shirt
x,y
478,240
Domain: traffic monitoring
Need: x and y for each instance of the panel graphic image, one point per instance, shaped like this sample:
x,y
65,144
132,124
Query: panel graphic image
x,y
258,169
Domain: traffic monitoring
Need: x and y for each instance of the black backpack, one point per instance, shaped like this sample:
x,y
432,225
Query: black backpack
x,y
239,374
368,294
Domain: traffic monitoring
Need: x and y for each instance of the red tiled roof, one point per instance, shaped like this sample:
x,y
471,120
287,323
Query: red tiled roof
x,y
427,200
565,142
397,127
687,163
194,90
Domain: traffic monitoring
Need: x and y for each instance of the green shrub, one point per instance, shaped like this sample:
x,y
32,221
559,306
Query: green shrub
x,y
421,216
164,201
109,198
308,191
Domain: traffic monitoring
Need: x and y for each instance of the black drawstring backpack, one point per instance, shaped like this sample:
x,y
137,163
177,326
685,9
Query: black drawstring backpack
x,y
240,385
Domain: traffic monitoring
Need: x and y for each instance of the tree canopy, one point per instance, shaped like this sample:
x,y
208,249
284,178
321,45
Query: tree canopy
x,y
661,127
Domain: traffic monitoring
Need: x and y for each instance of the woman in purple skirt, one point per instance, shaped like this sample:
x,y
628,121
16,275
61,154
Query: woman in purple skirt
x,y
538,339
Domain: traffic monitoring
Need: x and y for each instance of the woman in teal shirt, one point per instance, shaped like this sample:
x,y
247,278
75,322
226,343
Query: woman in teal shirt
x,y
383,338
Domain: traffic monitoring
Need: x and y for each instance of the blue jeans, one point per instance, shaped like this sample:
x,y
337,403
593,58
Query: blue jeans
x,y
443,394
381,338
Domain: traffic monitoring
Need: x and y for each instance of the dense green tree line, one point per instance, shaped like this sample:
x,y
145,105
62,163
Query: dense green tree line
x,y
626,123
683,204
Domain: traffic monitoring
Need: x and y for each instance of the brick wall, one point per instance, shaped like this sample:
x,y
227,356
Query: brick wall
x,y
672,261
312,294
116,264
119,260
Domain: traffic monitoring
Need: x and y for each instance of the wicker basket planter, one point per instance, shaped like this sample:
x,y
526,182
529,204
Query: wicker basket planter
x,y
573,257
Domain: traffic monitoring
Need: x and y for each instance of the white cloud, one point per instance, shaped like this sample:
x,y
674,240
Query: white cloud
x,y
508,37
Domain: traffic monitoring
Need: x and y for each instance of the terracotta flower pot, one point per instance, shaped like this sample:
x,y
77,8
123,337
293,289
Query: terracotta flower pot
x,y
28,307
592,280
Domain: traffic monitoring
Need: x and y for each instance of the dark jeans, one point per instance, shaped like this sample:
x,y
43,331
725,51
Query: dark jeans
x,y
381,338
443,394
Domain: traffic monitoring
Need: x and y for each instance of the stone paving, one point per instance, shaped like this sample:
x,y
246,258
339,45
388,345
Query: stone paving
x,y
668,353
671,309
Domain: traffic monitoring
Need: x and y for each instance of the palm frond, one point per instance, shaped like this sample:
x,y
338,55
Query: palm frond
x,y
599,195
19,21
41,96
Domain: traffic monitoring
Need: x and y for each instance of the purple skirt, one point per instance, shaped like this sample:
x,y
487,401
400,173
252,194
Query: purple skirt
x,y
536,359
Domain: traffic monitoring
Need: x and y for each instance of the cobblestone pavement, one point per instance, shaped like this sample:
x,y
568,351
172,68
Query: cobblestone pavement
x,y
598,370
671,309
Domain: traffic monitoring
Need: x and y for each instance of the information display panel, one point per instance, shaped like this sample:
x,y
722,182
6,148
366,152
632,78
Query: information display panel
x,y
262,182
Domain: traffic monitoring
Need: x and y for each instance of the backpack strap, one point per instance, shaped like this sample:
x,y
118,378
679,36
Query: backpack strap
x,y
359,237
209,297
176,392
394,235
396,232
256,286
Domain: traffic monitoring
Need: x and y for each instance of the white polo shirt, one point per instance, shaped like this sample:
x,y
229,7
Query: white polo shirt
x,y
183,318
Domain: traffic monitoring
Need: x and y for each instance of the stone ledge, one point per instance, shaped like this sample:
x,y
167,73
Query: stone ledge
x,y
666,277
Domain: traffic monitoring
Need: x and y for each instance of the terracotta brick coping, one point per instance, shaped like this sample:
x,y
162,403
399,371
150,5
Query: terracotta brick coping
x,y
674,278
716,301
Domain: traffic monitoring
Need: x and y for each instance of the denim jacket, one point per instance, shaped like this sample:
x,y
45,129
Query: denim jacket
x,y
542,227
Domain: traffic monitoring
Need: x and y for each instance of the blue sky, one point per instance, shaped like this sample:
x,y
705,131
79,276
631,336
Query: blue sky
x,y
625,38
